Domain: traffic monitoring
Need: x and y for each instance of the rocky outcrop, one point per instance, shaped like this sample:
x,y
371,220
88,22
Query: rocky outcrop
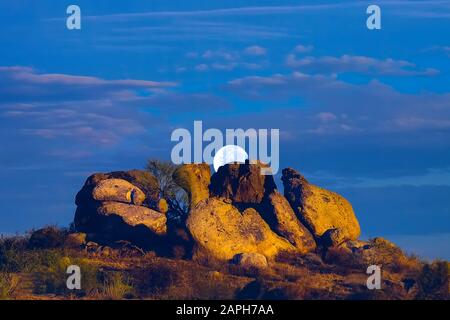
x,y
246,187
237,211
134,215
75,240
114,206
195,179
118,190
377,251
333,237
242,183
280,216
251,260
242,213
320,210
140,179
222,231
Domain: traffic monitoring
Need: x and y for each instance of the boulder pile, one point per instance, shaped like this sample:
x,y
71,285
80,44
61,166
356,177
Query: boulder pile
x,y
121,206
236,214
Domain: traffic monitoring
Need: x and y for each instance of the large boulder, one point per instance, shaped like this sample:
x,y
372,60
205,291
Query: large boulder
x,y
223,232
242,183
320,210
251,260
118,190
75,240
142,180
247,187
195,179
377,251
241,191
107,215
282,219
121,205
135,215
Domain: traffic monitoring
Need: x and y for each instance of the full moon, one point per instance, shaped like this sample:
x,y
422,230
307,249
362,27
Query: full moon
x,y
229,154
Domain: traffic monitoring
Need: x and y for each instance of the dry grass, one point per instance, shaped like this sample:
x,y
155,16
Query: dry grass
x,y
125,274
8,285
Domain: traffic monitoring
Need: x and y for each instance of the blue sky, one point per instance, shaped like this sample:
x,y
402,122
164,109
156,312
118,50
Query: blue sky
x,y
364,113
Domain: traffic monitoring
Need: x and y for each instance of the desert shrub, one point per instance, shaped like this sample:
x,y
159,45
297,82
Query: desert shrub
x,y
175,196
116,285
238,270
11,249
433,282
342,257
377,251
370,295
261,289
252,291
392,257
290,273
286,292
209,285
153,279
390,290
8,285
51,277
47,237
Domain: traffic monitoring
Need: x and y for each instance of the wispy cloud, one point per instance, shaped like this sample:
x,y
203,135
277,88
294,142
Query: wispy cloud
x,y
90,110
256,10
332,107
358,64
255,51
433,8
303,48
227,60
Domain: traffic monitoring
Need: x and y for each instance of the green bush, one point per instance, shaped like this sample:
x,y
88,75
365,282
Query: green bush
x,y
433,282
116,286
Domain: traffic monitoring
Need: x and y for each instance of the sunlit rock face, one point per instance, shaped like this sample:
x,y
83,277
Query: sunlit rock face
x,y
242,213
115,206
320,210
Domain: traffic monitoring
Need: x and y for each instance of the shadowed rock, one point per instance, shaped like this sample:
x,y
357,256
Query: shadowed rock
x,y
143,180
135,215
242,183
114,206
251,260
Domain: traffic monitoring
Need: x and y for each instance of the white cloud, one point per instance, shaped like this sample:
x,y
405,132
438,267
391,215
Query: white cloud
x,y
255,51
202,67
332,107
359,64
303,49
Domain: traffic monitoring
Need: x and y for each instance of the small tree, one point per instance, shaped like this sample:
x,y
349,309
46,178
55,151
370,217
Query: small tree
x,y
176,197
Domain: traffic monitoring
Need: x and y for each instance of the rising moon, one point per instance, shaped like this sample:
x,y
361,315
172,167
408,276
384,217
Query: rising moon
x,y
229,154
